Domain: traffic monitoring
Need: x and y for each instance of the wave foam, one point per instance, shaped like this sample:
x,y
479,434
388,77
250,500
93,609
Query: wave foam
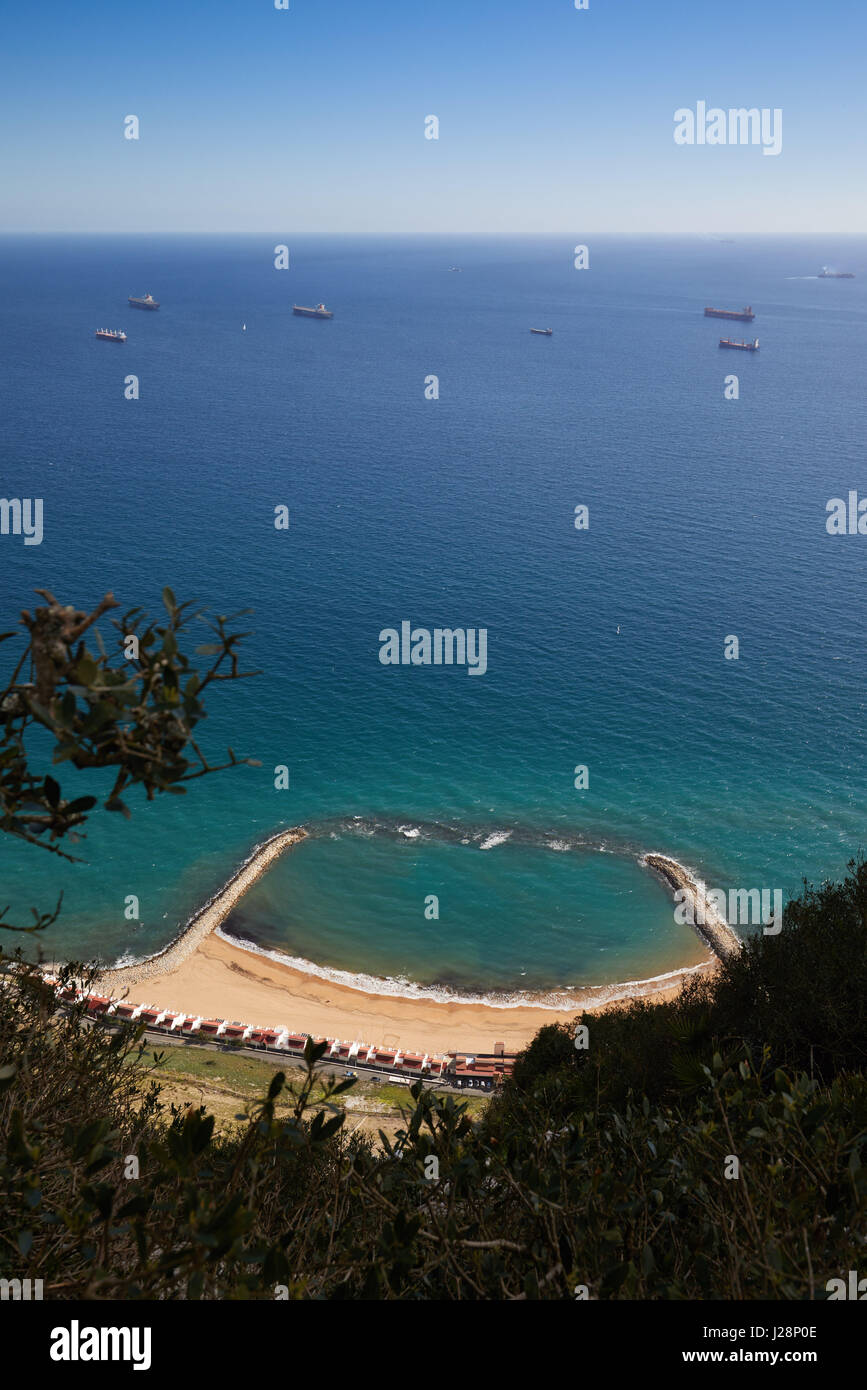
x,y
557,1000
499,837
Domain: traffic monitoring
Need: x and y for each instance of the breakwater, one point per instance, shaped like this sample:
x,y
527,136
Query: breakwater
x,y
209,916
707,920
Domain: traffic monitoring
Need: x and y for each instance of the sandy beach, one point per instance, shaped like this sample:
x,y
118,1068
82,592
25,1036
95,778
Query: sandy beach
x,y
220,980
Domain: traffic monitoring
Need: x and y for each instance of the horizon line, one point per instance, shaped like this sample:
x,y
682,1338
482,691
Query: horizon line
x,y
722,233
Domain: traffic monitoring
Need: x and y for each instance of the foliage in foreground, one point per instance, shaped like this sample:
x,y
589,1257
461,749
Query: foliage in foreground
x,y
605,1169
133,719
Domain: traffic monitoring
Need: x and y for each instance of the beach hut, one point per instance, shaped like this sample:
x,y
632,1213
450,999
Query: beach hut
x,y
235,1032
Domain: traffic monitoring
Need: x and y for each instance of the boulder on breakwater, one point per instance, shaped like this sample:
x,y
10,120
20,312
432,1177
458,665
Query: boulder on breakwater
x,y
710,925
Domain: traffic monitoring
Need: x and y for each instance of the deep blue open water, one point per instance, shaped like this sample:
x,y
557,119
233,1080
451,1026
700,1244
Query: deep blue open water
x,y
707,518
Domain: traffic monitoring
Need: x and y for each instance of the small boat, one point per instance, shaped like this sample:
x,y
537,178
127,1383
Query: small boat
x,y
243,328
826,274
744,347
545,332
320,312
146,301
113,335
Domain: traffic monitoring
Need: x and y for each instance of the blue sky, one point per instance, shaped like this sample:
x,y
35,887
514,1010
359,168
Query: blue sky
x,y
312,119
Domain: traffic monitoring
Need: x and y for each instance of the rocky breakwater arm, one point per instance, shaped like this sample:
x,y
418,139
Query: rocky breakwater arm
x,y
208,917
704,915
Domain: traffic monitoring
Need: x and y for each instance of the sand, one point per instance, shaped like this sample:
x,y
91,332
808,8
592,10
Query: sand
x,y
220,980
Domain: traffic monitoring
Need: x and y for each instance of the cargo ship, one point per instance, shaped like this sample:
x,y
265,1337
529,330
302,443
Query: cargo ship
x,y
745,315
113,335
320,312
145,302
545,331
744,347
826,274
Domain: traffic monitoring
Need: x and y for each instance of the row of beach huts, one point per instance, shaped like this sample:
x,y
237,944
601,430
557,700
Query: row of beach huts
x,y
482,1071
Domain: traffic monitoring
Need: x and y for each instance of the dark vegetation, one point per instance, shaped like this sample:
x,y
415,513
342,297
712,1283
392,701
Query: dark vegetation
x,y
601,1169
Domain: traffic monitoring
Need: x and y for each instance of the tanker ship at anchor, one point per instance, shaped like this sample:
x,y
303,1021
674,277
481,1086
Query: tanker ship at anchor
x,y
745,315
147,301
320,311
743,347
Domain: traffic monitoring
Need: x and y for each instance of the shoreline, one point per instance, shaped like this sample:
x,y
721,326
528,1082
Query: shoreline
x,y
204,972
222,980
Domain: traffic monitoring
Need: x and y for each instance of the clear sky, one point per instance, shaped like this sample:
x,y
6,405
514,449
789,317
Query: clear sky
x,y
312,119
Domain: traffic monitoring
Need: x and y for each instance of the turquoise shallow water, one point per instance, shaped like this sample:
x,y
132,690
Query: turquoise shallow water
x,y
707,518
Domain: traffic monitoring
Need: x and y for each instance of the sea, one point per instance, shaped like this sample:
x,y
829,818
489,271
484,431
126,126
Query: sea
x,y
455,845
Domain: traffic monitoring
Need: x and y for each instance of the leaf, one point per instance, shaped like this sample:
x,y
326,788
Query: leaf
x,y
86,671
169,600
52,792
25,1242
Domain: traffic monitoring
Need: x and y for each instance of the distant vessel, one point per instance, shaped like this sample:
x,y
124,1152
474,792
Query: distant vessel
x,y
320,312
113,335
145,302
547,331
456,268
746,315
826,274
744,347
